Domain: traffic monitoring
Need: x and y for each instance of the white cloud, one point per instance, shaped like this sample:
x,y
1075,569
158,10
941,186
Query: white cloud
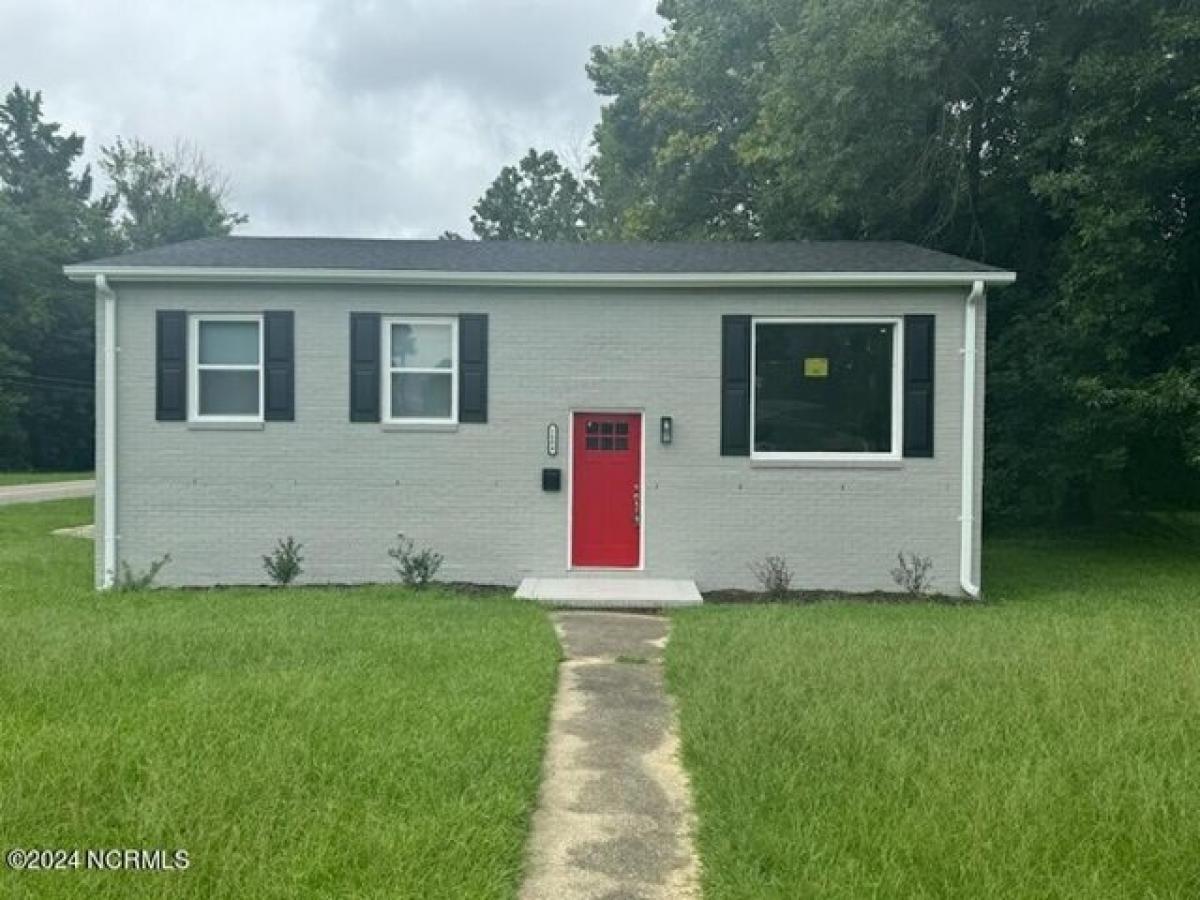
x,y
353,118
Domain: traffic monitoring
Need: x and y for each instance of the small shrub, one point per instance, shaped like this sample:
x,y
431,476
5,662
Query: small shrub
x,y
416,568
128,580
283,563
913,574
774,576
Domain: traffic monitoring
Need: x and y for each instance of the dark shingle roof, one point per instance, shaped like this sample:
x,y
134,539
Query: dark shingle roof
x,y
540,257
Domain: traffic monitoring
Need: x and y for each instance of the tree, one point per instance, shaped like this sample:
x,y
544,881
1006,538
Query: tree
x,y
666,162
1125,311
1059,138
536,200
162,199
46,221
48,218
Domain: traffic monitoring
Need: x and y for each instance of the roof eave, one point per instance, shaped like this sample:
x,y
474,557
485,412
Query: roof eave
x,y
210,274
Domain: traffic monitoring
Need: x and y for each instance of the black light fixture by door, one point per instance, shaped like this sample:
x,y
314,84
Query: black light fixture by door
x,y
666,429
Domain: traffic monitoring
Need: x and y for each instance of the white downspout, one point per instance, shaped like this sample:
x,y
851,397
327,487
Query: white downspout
x,y
967,515
109,401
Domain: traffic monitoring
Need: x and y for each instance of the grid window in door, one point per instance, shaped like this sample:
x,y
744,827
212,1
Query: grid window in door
x,y
420,382
607,436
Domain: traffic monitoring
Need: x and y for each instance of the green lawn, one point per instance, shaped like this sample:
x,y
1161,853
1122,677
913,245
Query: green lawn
x,y
10,478
307,742
371,743
1045,745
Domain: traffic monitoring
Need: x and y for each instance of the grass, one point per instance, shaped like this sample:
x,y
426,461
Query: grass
x,y
7,479
308,742
1043,745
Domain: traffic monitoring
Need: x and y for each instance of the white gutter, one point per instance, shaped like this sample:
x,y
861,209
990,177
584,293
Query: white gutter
x,y
967,515
109,474
534,279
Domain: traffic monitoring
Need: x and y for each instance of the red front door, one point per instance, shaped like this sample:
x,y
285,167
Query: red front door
x,y
606,485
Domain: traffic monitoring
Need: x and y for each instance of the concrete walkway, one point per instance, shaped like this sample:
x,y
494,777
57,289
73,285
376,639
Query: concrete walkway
x,y
49,490
614,817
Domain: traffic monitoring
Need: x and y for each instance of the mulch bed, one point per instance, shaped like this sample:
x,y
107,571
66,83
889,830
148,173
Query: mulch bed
x,y
735,596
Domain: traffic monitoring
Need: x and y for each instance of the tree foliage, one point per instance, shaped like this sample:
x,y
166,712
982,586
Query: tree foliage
x,y
162,199
50,218
537,199
1060,138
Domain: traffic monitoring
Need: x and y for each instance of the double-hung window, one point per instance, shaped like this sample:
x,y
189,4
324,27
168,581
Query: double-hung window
x,y
226,383
826,389
420,378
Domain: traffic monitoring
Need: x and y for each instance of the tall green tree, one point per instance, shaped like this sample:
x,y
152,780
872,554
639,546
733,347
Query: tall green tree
x,y
1122,310
160,198
46,221
50,218
1060,138
537,199
666,164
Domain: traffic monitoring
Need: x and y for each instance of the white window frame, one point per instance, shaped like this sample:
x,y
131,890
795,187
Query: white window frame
x,y
195,367
897,450
388,369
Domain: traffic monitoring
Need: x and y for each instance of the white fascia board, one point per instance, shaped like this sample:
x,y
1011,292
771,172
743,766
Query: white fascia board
x,y
535,279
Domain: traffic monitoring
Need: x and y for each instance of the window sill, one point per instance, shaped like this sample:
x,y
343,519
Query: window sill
x,y
226,426
826,463
419,426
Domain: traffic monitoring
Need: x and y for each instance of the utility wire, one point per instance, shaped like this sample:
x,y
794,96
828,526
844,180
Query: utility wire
x,y
34,386
29,376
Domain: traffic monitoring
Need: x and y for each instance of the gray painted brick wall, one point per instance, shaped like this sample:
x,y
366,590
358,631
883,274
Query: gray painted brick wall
x,y
216,500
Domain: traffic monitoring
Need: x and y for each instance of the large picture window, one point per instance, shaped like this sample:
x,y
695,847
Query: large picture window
x,y
226,383
420,384
826,389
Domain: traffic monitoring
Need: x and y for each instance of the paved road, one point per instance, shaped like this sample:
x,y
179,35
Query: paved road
x,y
50,490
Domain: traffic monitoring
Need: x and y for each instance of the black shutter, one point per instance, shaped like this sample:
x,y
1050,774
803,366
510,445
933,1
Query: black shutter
x,y
170,380
472,368
918,385
364,367
735,385
279,366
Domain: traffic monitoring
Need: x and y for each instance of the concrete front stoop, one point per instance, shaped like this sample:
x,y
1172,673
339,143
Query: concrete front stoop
x,y
611,592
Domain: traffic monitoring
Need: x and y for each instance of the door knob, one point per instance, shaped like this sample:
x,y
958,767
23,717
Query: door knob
x,y
637,505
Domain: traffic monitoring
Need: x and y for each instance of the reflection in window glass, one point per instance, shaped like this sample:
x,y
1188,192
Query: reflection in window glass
x,y
421,346
823,388
420,395
229,343
421,374
228,392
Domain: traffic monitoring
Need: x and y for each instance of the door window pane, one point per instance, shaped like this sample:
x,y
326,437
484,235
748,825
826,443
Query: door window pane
x,y
823,388
420,396
228,392
229,343
418,346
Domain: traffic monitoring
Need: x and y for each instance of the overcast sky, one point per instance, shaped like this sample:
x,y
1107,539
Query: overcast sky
x,y
339,117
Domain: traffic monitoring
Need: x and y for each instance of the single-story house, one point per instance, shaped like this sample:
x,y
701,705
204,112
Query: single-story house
x,y
540,410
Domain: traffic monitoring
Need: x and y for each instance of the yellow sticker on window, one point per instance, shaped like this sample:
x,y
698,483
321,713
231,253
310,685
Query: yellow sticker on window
x,y
816,367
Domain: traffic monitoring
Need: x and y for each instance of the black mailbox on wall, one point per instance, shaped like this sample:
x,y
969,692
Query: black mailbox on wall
x,y
551,479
